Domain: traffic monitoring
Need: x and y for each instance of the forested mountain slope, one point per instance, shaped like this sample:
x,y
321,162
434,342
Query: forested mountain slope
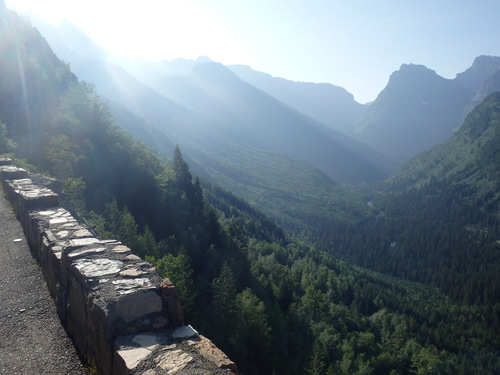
x,y
351,321
471,157
436,221
30,87
324,102
214,91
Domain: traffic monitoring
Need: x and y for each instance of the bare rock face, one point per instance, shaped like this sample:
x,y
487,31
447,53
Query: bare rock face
x,y
123,317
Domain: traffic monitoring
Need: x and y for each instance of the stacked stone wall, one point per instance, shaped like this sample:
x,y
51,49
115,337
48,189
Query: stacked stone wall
x,y
121,315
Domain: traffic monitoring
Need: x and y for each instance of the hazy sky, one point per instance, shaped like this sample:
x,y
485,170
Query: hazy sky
x,y
355,44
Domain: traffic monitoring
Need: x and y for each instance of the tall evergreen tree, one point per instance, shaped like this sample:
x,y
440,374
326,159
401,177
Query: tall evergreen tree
x,y
225,295
182,175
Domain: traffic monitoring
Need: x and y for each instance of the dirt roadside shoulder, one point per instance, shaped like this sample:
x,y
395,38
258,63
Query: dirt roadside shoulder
x,y
32,340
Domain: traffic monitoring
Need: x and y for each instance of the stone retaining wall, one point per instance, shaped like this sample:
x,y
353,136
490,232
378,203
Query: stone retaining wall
x,y
123,318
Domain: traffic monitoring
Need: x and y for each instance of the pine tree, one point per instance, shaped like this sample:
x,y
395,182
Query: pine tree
x,y
224,288
182,175
127,232
147,244
178,269
112,215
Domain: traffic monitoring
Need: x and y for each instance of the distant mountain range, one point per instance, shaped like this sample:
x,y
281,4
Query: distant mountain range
x,y
419,109
266,138
214,92
232,133
324,102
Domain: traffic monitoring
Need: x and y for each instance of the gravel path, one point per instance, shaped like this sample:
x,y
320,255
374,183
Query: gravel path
x,y
32,340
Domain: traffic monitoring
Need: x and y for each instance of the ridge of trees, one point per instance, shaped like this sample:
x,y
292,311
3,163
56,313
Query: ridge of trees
x,y
436,221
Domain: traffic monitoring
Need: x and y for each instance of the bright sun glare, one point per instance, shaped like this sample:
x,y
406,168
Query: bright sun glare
x,y
155,30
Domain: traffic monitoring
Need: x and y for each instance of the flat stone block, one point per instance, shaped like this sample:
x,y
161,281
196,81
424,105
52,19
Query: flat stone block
x,y
83,241
132,357
213,354
5,161
81,252
97,267
51,183
134,306
120,249
47,212
184,332
62,234
133,272
146,340
82,233
127,286
9,172
173,361
32,195
132,257
58,220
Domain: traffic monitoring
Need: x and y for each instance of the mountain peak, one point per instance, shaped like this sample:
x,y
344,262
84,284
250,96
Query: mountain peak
x,y
203,60
412,74
214,72
482,68
415,111
411,77
414,70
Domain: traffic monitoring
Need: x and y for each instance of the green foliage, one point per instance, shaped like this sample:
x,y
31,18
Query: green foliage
x,y
252,330
316,365
337,319
182,177
146,244
120,224
289,191
74,188
33,79
61,157
224,288
7,145
437,220
178,270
